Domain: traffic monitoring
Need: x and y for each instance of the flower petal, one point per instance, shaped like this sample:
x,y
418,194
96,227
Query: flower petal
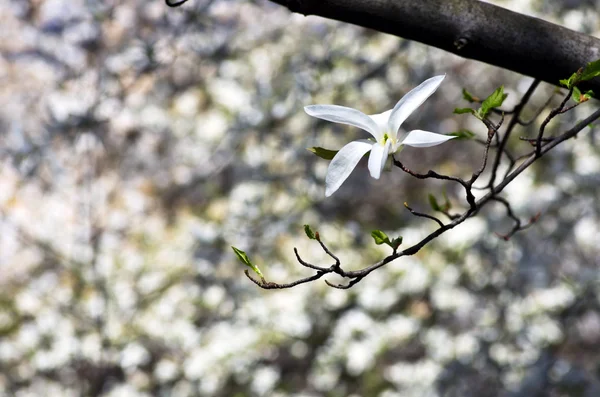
x,y
377,158
344,115
381,119
418,138
411,101
343,163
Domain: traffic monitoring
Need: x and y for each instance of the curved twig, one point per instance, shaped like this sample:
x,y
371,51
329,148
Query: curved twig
x,y
176,4
423,215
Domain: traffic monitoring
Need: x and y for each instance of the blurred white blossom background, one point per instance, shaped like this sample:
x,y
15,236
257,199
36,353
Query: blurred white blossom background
x,y
140,141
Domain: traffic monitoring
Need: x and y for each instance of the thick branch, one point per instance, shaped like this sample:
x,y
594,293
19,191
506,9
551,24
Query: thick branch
x,y
471,29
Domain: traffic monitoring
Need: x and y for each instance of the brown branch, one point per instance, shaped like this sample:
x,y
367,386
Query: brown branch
x,y
356,276
347,286
435,175
306,264
467,185
471,29
553,113
422,215
545,149
538,112
176,4
518,225
328,252
509,128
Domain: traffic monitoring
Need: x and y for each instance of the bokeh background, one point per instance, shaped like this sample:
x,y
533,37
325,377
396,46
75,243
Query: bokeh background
x,y
138,142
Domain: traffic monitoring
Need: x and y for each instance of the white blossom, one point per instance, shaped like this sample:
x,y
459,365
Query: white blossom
x,y
383,127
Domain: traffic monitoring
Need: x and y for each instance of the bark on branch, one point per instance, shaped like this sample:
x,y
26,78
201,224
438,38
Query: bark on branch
x,y
471,29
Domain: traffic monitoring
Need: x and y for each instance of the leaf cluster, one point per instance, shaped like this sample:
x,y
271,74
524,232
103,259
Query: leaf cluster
x,y
382,238
493,101
591,70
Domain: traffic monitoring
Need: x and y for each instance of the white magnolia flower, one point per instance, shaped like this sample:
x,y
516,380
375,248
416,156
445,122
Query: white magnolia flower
x,y
384,128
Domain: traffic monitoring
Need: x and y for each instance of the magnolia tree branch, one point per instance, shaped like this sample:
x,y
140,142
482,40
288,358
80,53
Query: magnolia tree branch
x,y
542,145
484,32
471,29
511,125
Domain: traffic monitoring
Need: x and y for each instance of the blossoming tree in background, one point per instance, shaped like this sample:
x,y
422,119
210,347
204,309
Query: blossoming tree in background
x,y
139,141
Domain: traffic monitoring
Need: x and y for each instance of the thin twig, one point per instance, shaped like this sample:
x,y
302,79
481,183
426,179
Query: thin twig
x,y
270,285
511,125
518,225
423,215
467,185
533,141
176,4
352,282
539,111
553,113
306,264
328,252
492,130
429,174
565,110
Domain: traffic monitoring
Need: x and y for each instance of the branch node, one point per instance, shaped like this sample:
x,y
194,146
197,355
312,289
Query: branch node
x,y
460,43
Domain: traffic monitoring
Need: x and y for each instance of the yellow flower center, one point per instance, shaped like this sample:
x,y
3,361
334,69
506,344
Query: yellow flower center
x,y
388,137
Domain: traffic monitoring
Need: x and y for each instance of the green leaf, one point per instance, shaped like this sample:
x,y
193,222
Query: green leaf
x,y
467,96
591,70
462,134
579,97
447,204
246,261
396,242
433,203
309,232
571,81
576,96
380,237
464,110
493,101
323,153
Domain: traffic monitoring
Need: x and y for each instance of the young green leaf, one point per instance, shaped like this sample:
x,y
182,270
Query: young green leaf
x,y
579,97
462,134
493,101
380,237
433,203
571,81
447,204
246,261
576,96
464,110
467,96
564,82
396,242
309,232
590,71
323,153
